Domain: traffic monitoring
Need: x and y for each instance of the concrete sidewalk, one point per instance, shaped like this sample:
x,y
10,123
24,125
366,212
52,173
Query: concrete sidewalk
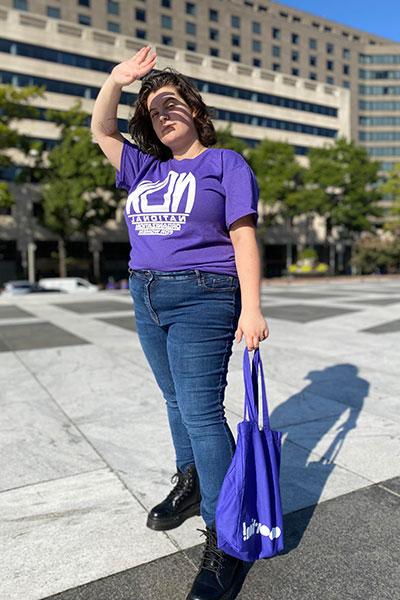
x,y
86,449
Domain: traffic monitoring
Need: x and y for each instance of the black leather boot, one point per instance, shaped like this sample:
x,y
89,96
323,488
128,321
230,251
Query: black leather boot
x,y
182,502
220,576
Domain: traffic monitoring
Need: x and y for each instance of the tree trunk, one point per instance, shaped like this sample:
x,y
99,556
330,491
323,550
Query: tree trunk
x,y
62,264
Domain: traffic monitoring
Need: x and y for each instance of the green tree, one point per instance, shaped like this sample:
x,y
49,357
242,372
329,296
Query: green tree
x,y
14,105
346,180
391,188
282,185
226,139
78,189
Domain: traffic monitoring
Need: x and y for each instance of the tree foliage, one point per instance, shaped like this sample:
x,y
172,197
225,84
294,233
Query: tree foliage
x,y
391,188
346,180
14,105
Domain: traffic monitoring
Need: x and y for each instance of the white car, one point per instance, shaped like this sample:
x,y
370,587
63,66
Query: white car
x,y
21,287
68,284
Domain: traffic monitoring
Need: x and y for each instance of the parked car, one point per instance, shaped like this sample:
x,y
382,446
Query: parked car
x,y
22,287
68,284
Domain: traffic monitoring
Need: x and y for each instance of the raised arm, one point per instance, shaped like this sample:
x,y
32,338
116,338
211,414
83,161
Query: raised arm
x,y
104,117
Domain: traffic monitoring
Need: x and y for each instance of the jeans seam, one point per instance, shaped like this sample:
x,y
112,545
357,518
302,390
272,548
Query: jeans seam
x,y
220,398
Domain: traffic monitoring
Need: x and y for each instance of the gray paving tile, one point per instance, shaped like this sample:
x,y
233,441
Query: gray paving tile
x,y
14,312
389,327
303,313
33,336
124,322
361,561
305,295
97,306
393,485
375,301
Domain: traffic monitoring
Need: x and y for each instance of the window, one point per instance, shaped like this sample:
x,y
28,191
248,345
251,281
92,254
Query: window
x,y
213,15
53,12
214,52
192,46
346,69
235,57
312,76
256,27
327,28
256,46
346,54
20,4
213,34
295,72
235,21
329,48
112,7
296,19
295,55
190,8
276,33
166,3
140,14
166,40
295,38
111,26
330,80
84,20
166,22
312,43
276,67
346,84
256,62
141,34
276,51
329,65
315,24
312,61
190,28
84,2
235,40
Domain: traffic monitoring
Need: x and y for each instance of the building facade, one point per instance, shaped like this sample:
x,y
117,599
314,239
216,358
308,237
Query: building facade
x,y
72,61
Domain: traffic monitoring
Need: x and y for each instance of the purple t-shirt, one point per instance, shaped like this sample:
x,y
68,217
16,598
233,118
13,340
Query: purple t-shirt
x,y
178,212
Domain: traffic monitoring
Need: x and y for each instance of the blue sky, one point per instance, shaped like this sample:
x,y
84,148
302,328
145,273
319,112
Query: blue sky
x,y
381,18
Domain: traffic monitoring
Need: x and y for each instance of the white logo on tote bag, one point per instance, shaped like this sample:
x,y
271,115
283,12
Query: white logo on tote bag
x,y
258,528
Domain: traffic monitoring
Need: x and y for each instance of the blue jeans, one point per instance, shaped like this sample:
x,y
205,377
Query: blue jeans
x,y
186,322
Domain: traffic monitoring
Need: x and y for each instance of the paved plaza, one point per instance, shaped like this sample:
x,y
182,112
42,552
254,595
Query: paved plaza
x,y
86,451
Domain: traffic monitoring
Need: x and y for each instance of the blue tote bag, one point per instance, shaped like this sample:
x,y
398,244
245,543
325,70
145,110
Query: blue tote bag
x,y
249,519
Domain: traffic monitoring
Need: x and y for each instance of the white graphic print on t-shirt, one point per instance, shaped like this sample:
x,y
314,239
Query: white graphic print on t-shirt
x,y
164,218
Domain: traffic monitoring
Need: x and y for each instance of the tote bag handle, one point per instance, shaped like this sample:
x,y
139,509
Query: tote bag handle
x,y
251,399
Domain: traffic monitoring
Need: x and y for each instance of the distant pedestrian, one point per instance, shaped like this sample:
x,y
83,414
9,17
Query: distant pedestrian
x,y
194,278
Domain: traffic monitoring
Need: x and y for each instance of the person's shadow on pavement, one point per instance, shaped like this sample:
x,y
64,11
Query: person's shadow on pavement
x,y
302,477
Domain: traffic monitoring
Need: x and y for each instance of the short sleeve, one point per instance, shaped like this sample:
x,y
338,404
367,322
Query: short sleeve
x,y
241,189
131,160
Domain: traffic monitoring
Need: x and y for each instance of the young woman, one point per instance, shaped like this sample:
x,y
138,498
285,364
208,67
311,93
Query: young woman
x,y
194,278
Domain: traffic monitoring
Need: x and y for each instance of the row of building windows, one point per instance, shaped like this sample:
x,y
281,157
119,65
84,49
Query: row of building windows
x,y
96,64
255,120
379,90
237,117
86,62
91,92
365,74
380,59
379,121
385,151
378,105
379,136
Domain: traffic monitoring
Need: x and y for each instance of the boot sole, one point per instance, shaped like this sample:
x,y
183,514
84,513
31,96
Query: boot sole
x,y
173,522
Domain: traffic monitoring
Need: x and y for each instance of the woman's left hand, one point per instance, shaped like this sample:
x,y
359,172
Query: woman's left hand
x,y
253,327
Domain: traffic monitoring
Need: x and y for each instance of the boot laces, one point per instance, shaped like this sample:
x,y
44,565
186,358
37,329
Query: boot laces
x,y
212,557
180,479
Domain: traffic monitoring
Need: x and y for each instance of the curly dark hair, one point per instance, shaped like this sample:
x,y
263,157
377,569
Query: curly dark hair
x,y
140,126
